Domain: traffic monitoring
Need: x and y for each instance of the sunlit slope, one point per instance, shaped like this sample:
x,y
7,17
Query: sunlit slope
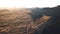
x,y
14,19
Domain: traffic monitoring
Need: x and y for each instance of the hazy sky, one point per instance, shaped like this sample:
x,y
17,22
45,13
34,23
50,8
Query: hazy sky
x,y
29,3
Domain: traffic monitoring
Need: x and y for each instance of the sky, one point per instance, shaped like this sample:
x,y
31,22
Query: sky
x,y
29,3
